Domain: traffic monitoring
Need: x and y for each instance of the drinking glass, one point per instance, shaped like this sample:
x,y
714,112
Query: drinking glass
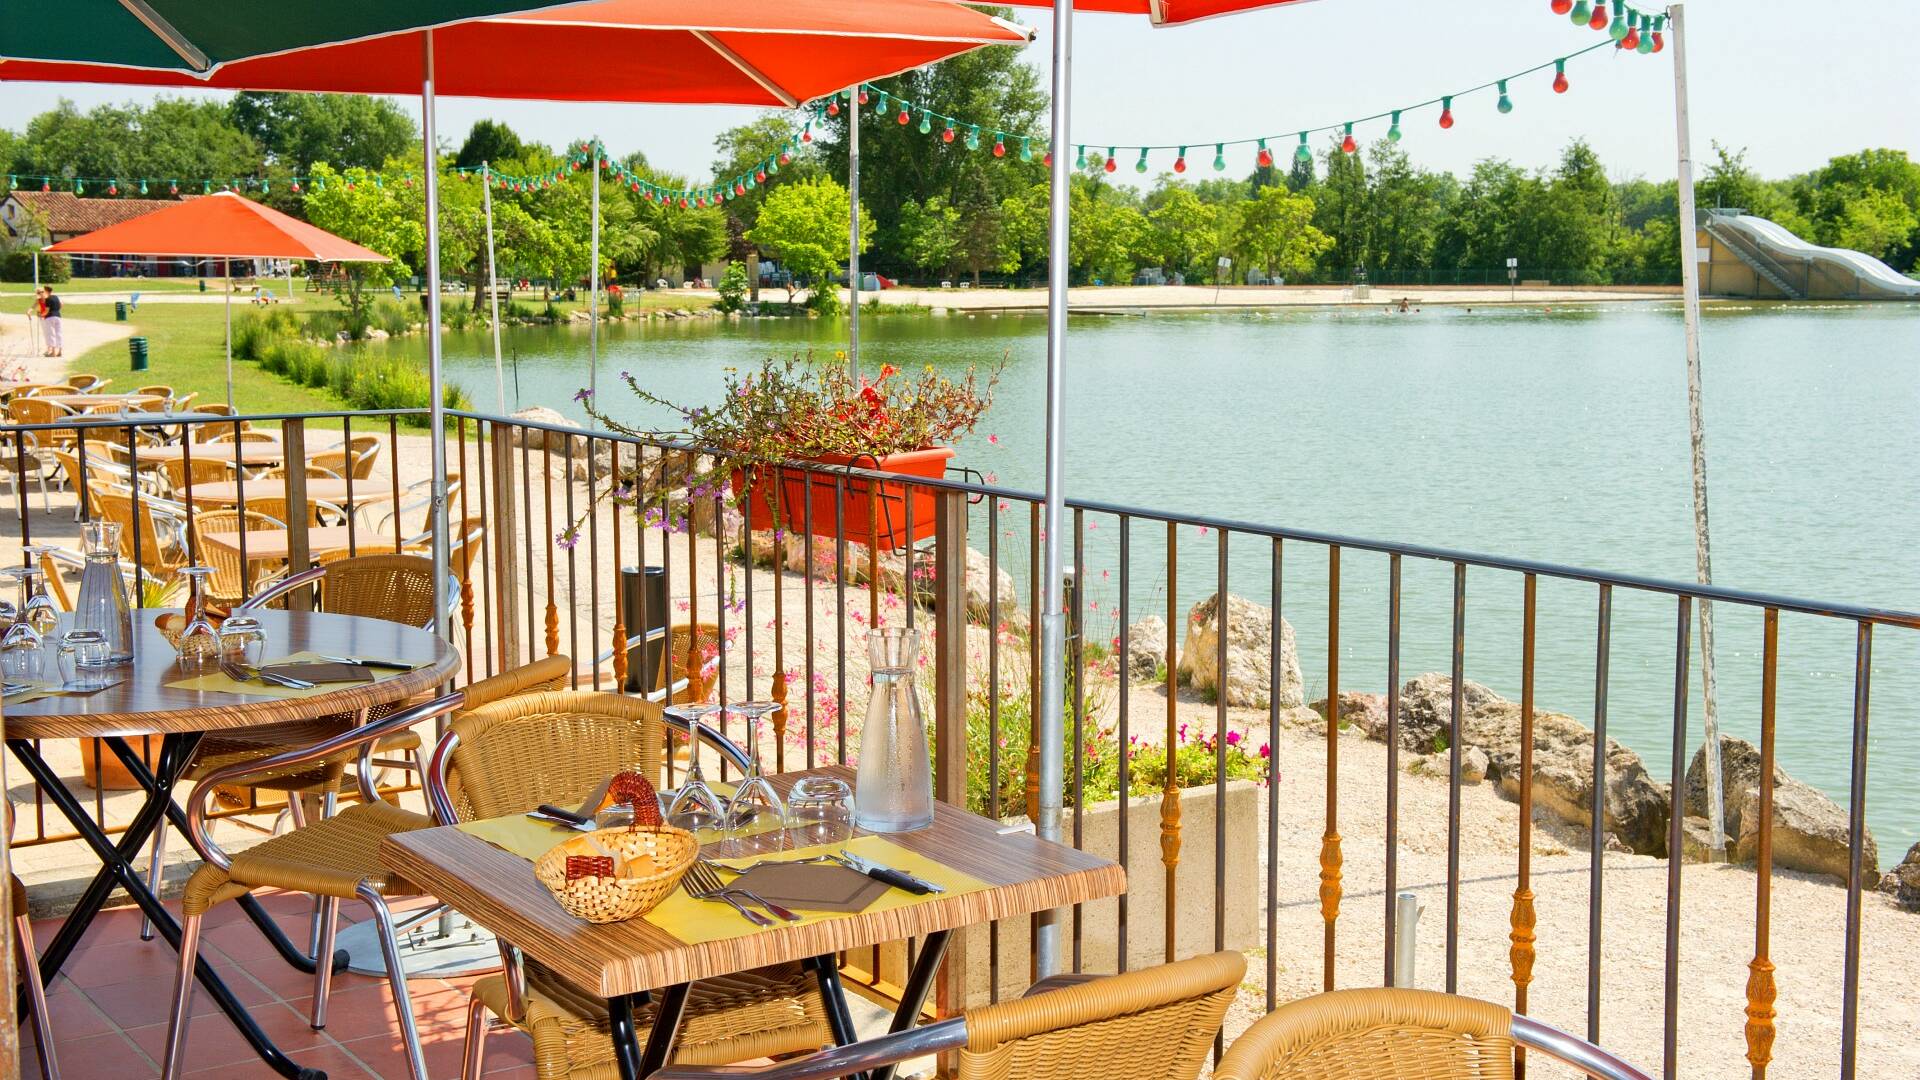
x,y
695,806
243,640
820,811
22,649
83,659
199,644
36,607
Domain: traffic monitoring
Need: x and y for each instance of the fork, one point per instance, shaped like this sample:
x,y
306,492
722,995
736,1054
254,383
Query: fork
x,y
775,909
703,884
239,673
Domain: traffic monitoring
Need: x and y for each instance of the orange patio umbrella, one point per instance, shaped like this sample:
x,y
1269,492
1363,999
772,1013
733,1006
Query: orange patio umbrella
x,y
220,226
1165,12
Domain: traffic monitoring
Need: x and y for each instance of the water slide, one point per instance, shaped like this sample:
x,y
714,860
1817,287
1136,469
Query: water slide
x,y
1803,270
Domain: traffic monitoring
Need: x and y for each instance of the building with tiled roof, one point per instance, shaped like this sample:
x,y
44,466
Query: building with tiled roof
x,y
39,218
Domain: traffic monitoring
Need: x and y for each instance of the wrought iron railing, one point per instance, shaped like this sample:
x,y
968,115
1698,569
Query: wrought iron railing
x,y
525,594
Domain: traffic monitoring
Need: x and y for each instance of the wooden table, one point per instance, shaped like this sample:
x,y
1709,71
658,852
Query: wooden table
x,y
270,545
621,961
79,402
252,452
143,704
319,489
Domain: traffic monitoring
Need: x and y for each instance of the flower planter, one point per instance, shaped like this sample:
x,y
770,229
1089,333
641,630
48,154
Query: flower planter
x,y
872,513
112,775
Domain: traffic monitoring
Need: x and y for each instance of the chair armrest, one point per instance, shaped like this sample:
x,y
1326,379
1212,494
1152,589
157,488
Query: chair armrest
x,y
1578,1052
850,1060
1060,982
701,732
363,736
282,587
439,799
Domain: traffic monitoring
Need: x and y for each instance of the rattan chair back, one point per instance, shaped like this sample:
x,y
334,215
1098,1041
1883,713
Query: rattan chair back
x,y
397,588
228,582
1375,1034
155,554
1154,1024
549,746
202,470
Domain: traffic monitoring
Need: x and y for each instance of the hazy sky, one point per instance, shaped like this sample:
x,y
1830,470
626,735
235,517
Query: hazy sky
x,y
1794,83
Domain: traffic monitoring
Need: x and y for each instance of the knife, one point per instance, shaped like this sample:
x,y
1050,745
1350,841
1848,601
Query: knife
x,y
392,665
557,816
896,878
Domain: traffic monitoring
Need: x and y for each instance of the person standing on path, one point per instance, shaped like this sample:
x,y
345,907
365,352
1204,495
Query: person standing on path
x,y
50,319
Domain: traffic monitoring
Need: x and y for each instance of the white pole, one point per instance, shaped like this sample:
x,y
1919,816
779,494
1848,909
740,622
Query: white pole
x,y
593,294
853,233
227,265
1046,945
436,409
34,329
289,281
493,293
1702,552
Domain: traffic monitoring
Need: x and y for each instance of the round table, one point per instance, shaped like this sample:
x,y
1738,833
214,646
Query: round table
x,y
143,704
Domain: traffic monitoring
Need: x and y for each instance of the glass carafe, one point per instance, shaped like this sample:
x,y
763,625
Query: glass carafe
x,y
895,788
199,643
103,592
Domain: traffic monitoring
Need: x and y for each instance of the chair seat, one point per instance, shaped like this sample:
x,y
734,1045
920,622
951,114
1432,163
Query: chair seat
x,y
327,858
775,1010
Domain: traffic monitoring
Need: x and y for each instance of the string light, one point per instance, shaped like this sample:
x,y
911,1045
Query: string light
x,y
1446,112
1303,153
1505,105
1347,144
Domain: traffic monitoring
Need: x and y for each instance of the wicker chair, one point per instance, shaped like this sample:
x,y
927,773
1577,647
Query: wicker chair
x,y
32,410
88,384
22,460
161,535
156,391
53,390
511,755
29,959
1382,1034
203,470
248,435
335,859
229,583
1152,1024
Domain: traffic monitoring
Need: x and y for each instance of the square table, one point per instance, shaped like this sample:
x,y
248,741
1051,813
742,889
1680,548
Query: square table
x,y
625,961
273,545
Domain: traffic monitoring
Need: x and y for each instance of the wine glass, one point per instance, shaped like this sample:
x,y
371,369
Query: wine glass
x,y
22,649
754,801
695,806
199,644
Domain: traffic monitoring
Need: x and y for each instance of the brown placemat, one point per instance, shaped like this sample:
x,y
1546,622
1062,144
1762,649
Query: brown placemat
x,y
812,886
323,672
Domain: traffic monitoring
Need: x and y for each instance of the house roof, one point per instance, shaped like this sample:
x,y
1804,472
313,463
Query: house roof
x,y
67,214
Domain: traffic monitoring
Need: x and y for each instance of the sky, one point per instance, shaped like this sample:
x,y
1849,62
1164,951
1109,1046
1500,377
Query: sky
x,y
1793,90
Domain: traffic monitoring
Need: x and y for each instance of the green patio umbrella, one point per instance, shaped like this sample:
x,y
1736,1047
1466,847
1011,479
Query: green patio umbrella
x,y
198,35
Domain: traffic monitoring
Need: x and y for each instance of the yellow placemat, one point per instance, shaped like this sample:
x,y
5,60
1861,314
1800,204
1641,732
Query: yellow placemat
x,y
699,921
42,689
215,682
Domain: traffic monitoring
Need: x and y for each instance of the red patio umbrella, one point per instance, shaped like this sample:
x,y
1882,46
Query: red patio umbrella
x,y
219,226
1165,12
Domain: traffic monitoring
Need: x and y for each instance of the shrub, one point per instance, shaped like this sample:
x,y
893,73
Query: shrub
x,y
17,265
733,287
519,312
616,302
253,331
553,313
393,316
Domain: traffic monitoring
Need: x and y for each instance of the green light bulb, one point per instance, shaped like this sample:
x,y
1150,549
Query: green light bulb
x,y
143,186
1219,157
1081,161
1617,29
973,137
1141,165
1026,149
1303,153
1393,133
1506,103
926,122
1646,43
1581,13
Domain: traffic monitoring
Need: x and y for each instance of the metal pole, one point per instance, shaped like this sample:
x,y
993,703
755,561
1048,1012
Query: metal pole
x,y
493,292
1046,945
227,265
436,409
289,280
1702,552
593,293
853,233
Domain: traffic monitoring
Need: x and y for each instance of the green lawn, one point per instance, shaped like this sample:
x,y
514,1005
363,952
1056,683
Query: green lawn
x,y
113,285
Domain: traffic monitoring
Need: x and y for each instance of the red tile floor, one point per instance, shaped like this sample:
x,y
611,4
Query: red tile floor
x,y
110,1004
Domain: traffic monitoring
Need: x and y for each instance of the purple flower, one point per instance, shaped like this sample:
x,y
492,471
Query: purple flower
x,y
568,540
583,394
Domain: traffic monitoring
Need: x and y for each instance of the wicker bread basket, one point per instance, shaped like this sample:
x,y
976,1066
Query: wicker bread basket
x,y
648,864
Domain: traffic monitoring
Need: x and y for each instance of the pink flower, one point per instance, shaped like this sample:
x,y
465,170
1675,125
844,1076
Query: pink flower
x,y
1266,751
1233,738
994,439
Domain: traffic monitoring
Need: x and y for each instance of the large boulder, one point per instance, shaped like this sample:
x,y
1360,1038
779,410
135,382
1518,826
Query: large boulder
x,y
1810,831
1147,647
1366,712
536,438
1250,679
1904,881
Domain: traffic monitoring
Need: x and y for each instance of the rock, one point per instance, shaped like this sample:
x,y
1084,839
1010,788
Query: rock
x,y
1810,831
536,438
374,333
1695,837
1904,881
1147,647
1249,677
1473,765
1366,713
1426,711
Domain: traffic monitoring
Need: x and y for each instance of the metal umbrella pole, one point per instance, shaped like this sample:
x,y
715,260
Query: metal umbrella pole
x,y
853,234
493,291
227,265
593,294
1696,429
1052,733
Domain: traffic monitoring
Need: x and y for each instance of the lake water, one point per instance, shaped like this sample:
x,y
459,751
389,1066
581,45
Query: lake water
x,y
1551,434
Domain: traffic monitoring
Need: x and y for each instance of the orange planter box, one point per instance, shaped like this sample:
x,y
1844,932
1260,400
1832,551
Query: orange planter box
x,y
112,775
873,513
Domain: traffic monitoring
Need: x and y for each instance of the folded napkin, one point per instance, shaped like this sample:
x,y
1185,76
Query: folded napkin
x,y
812,886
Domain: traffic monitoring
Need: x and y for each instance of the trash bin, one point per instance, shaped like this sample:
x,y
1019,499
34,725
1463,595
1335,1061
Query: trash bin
x,y
137,352
119,311
643,660
203,284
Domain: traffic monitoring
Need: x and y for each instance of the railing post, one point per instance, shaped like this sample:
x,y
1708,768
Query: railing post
x,y
293,434
506,556
950,699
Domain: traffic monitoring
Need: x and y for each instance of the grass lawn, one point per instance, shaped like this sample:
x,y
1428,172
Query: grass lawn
x,y
112,285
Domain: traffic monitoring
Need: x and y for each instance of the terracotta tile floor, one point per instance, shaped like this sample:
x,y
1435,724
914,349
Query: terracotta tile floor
x,y
110,1007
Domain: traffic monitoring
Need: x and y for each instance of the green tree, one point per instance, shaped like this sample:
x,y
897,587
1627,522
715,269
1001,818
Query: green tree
x,y
173,137
488,141
1185,232
744,150
1104,231
1876,222
928,235
1276,233
344,130
804,225
1407,204
352,205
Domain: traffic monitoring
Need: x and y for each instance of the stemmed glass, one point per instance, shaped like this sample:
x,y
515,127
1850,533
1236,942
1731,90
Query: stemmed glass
x,y
199,643
754,799
695,806
22,649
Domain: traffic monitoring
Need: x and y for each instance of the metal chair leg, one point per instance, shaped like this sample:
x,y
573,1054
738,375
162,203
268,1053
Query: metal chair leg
x,y
396,978
182,995
156,866
327,917
314,923
37,993
476,1045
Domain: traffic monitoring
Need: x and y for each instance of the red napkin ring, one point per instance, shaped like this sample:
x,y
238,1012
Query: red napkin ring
x,y
582,866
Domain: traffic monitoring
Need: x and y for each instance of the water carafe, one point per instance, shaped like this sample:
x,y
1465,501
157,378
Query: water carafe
x,y
895,789
103,602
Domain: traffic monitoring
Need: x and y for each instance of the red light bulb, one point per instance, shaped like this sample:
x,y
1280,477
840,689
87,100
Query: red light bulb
x,y
999,148
1446,118
904,118
1632,40
1659,42
863,96
1265,158
833,108
739,189
1560,83
44,186
296,187
1561,7
172,189
113,188
760,176
1599,20
807,135
786,158
1111,165
1180,164
1045,159
1347,144
946,135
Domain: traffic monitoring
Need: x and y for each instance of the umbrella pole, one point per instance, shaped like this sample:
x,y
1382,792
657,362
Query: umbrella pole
x,y
1052,733
853,234
227,265
436,408
593,293
493,292
1702,552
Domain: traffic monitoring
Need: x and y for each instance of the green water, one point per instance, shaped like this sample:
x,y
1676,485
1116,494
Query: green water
x,y
1556,435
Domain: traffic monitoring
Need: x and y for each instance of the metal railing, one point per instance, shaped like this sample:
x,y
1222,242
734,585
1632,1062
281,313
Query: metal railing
x,y
528,594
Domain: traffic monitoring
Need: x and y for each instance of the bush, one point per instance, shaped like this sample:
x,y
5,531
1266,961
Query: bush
x,y
519,312
17,265
392,316
253,331
553,313
733,287
616,302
